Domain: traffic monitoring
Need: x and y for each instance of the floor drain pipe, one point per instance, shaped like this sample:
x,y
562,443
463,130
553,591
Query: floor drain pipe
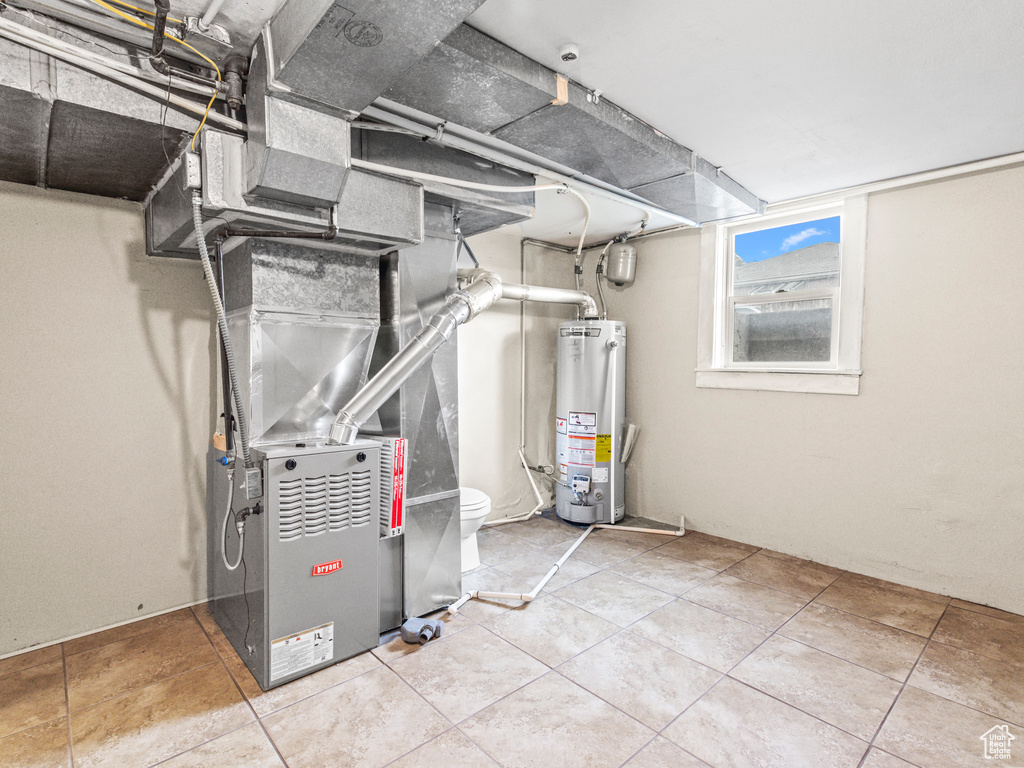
x,y
458,308
526,597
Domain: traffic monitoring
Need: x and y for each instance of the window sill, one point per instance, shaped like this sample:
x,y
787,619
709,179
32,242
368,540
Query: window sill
x,y
816,382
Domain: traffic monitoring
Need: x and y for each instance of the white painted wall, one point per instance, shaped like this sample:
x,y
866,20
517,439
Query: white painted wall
x,y
920,478
489,378
105,407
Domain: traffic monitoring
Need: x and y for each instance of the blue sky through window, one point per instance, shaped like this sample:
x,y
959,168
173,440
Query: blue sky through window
x,y
765,243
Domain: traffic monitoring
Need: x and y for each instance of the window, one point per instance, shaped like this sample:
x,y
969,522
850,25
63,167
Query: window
x,y
781,300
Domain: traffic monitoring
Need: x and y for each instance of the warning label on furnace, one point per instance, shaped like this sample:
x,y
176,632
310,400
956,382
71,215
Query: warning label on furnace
x,y
292,654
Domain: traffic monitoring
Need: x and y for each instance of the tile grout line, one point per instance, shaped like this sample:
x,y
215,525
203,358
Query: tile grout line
x,y
866,618
30,666
613,706
903,688
857,615
1009,663
643,746
619,630
128,637
197,746
263,728
822,605
467,737
840,658
786,703
241,693
67,706
728,675
415,690
147,685
409,752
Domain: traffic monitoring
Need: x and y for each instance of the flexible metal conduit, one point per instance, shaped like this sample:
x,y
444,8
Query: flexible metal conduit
x,y
222,324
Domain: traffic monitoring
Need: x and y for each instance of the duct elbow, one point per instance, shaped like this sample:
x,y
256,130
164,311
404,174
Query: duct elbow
x,y
343,431
483,290
588,308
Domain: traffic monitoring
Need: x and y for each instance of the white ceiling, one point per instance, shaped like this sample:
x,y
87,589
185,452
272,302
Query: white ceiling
x,y
795,97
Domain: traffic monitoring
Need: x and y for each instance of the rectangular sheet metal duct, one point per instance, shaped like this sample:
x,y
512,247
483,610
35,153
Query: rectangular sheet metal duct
x,y
474,81
344,55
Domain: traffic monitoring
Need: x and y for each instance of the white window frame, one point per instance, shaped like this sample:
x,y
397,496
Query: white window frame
x,y
841,374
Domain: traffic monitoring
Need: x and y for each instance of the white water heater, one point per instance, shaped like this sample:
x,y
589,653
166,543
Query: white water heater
x,y
590,410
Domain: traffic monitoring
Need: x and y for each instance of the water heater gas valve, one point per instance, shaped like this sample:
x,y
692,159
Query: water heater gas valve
x,y
580,484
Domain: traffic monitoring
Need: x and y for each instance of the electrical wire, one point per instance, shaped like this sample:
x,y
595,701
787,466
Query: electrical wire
x,y
123,4
224,528
111,72
179,41
83,57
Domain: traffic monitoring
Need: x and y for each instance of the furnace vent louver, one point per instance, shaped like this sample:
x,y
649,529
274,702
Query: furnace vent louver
x,y
290,510
341,515
361,498
314,505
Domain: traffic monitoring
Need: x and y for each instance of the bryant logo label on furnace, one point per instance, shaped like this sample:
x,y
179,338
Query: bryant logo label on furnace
x,y
325,568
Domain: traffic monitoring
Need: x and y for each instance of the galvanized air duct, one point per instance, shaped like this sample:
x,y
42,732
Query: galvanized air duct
x,y
483,290
458,308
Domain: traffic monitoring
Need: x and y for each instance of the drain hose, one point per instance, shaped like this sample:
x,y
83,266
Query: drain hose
x,y
222,324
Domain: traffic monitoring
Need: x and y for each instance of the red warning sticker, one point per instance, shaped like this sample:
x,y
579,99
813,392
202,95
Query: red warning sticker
x,y
398,485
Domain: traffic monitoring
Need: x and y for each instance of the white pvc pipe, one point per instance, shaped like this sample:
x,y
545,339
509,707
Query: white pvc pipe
x,y
526,597
390,170
211,13
634,529
366,165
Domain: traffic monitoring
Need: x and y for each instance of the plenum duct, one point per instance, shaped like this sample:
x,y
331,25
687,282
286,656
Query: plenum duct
x,y
477,83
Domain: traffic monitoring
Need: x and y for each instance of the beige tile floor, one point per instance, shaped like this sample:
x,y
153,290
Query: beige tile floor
x,y
645,651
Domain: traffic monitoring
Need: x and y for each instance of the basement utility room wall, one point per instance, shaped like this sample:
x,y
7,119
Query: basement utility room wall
x,y
489,376
105,408
920,478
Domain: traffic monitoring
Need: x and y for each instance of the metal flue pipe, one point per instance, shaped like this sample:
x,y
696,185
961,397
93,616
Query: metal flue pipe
x,y
460,307
542,293
483,290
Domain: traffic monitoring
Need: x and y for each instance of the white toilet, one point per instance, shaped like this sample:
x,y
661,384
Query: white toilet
x,y
475,506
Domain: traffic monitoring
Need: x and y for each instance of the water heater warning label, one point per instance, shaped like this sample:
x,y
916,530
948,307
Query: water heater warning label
x,y
579,419
604,448
576,439
292,654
